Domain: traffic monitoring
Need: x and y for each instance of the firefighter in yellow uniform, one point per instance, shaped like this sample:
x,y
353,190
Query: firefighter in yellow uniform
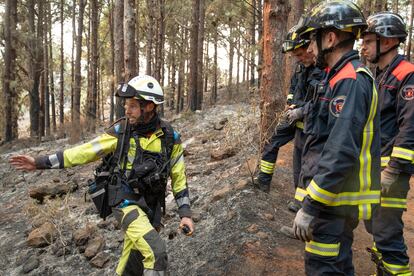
x,y
152,145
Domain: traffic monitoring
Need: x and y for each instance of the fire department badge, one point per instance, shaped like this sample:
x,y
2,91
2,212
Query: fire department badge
x,y
407,92
336,105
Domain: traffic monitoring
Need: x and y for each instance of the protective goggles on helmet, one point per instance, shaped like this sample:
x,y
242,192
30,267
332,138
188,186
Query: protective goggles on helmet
x,y
127,91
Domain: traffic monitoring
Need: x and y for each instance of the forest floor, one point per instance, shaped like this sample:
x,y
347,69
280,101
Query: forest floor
x,y
237,226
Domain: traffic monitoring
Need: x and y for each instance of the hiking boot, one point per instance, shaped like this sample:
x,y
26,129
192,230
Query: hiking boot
x,y
262,182
294,206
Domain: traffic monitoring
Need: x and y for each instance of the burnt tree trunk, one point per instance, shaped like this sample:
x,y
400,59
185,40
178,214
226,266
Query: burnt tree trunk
x,y
112,65
9,77
150,34
253,42
410,32
119,52
215,67
35,68
260,37
62,68
93,101
192,89
129,39
76,123
271,91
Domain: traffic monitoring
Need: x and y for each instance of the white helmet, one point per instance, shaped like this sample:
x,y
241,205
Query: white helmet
x,y
142,87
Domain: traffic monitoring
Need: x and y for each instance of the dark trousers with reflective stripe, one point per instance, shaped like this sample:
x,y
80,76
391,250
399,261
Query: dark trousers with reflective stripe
x,y
330,251
144,252
284,133
300,139
387,226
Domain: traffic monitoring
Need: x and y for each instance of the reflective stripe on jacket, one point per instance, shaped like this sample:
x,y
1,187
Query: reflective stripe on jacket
x,y
396,93
341,166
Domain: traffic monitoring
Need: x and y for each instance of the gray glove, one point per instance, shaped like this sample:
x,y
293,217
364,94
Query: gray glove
x,y
302,226
388,178
294,114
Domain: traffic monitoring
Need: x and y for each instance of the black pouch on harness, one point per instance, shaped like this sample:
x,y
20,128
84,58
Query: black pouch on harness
x,y
108,179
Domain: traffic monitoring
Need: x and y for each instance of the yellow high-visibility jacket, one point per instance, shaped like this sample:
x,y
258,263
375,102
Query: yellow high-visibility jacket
x,y
106,143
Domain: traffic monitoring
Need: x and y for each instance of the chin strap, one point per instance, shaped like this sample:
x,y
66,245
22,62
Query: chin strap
x,y
320,59
378,51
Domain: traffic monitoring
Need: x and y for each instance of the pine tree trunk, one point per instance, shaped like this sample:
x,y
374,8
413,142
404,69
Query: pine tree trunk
x,y
129,39
51,75
410,32
9,77
41,29
76,123
34,48
238,61
296,11
119,52
193,93
260,39
72,91
231,57
200,54
62,68
112,65
215,67
206,67
94,65
150,31
181,77
271,92
137,34
253,43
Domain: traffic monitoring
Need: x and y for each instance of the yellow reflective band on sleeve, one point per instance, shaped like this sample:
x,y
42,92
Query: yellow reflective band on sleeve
x,y
393,202
299,124
323,249
384,161
178,178
90,151
290,96
267,167
300,194
397,269
403,153
345,198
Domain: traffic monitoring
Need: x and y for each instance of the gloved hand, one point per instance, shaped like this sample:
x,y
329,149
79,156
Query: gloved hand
x,y
388,178
294,114
302,226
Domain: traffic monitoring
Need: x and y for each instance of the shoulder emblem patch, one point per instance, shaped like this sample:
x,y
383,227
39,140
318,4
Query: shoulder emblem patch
x,y
336,105
407,92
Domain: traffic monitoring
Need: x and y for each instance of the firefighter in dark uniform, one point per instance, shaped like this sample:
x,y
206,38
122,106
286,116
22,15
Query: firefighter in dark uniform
x,y
144,252
341,164
395,80
303,82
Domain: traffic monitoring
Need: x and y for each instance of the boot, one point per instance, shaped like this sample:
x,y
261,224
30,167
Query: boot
x,y
262,182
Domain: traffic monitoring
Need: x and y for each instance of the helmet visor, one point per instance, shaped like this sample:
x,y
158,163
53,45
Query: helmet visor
x,y
127,91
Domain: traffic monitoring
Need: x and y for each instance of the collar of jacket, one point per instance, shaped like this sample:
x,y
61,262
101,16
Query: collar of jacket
x,y
389,68
351,55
